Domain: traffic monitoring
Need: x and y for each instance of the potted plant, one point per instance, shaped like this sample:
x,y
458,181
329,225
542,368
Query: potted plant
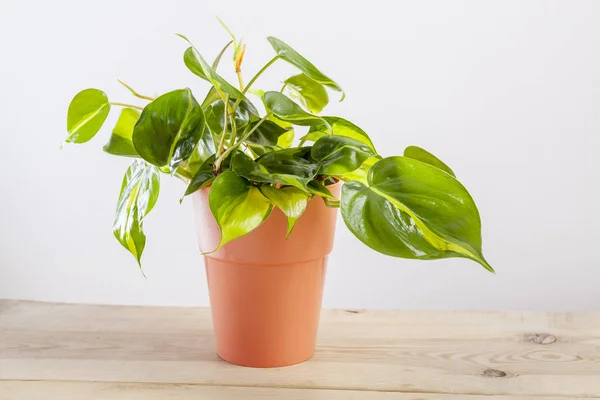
x,y
266,198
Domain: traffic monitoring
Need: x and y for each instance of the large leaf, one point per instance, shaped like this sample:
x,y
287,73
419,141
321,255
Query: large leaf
x,y
339,154
203,177
87,112
169,129
280,167
292,201
310,93
290,55
423,155
411,209
120,143
285,109
238,207
339,127
138,196
198,65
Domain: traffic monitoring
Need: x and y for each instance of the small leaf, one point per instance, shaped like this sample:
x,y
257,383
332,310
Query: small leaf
x,y
317,188
423,155
197,65
310,93
266,134
362,172
237,206
285,141
411,209
169,129
339,155
285,109
215,116
293,57
281,167
339,127
292,201
203,177
139,192
120,143
87,112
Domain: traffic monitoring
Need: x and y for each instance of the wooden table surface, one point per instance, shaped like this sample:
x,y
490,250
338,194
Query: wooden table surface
x,y
85,352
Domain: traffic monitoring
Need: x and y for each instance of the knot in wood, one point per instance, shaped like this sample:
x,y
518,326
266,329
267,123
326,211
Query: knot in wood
x,y
494,373
540,338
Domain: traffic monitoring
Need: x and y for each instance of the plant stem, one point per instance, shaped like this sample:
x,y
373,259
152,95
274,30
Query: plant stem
x,y
259,73
223,134
283,87
112,103
223,156
240,80
136,94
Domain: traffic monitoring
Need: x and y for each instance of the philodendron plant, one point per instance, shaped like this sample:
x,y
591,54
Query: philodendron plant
x,y
409,206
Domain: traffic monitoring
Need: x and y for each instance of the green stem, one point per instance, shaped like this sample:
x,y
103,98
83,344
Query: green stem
x,y
125,105
254,78
223,156
259,73
224,133
283,87
240,80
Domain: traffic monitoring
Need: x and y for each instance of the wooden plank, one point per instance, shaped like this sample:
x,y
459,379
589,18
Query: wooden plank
x,y
20,390
470,353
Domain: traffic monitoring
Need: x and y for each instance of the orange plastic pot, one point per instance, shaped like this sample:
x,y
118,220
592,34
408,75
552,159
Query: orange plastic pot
x,y
265,290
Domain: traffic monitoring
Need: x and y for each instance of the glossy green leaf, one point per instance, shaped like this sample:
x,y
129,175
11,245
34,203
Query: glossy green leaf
x,y
120,143
290,55
292,201
339,127
362,172
411,209
285,141
339,155
285,109
86,115
238,207
203,177
319,189
281,167
139,192
215,116
198,65
266,134
423,155
169,129
310,93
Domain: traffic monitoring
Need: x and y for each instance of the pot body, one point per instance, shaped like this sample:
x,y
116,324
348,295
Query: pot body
x,y
265,290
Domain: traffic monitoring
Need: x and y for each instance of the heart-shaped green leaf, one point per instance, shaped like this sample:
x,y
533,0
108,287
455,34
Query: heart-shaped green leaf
x,y
169,129
139,192
339,127
282,167
87,112
215,116
120,143
411,209
197,65
238,207
310,93
285,109
292,201
290,55
423,155
266,134
339,154
203,177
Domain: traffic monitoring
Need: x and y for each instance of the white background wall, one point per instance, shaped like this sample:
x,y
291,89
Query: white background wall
x,y
506,92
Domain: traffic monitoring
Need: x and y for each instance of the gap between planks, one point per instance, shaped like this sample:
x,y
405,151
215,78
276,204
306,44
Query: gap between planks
x,y
71,390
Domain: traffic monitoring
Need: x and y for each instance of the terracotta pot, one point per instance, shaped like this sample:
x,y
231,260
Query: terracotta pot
x,y
266,290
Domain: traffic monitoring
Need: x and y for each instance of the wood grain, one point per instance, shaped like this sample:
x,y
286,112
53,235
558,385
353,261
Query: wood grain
x,y
169,352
